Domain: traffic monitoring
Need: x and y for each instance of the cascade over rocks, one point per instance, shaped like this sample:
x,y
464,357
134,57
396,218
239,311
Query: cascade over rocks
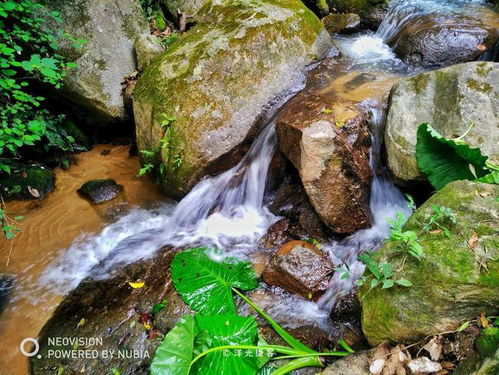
x,y
449,99
437,41
325,135
204,98
109,29
456,278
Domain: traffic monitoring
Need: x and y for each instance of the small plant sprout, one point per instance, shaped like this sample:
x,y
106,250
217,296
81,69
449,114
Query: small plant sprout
x,y
405,241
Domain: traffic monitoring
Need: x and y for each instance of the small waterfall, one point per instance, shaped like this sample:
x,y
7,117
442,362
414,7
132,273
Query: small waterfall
x,y
386,201
225,211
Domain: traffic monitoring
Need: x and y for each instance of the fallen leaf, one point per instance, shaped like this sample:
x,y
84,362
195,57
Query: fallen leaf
x,y
144,318
81,323
377,366
33,192
473,241
447,365
136,285
442,372
435,231
481,47
463,326
153,334
423,365
483,320
434,348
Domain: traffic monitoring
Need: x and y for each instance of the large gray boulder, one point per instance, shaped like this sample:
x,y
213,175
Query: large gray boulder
x,y
449,99
199,103
109,28
436,41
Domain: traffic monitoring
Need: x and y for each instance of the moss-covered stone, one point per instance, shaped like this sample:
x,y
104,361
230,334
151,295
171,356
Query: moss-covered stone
x,y
449,99
27,182
205,97
371,11
453,282
109,29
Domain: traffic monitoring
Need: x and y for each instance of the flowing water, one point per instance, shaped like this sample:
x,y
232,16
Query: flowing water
x,y
227,211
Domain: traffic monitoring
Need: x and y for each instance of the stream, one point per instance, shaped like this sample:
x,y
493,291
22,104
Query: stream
x,y
65,239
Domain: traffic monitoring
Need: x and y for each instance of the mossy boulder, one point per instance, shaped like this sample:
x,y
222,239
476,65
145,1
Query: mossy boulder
x,y
449,99
27,182
485,361
190,7
319,7
371,11
202,101
147,48
456,279
109,28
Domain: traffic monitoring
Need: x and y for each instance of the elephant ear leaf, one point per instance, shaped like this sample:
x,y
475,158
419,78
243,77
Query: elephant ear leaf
x,y
195,335
204,278
445,160
226,330
174,355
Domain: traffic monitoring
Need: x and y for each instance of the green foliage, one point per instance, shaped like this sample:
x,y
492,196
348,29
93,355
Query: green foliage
x,y
9,225
315,242
405,241
28,51
147,168
445,160
440,218
195,270
168,40
223,344
381,274
159,306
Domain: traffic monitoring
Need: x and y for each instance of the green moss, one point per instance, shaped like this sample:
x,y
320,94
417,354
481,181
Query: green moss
x,y
488,342
15,186
481,87
483,69
361,7
450,283
420,82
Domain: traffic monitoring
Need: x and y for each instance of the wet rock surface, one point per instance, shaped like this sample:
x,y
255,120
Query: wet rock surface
x,y
27,182
449,99
371,12
341,23
326,138
109,29
456,278
300,268
112,310
436,41
100,191
229,51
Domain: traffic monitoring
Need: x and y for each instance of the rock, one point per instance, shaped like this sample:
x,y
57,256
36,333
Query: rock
x,y
189,7
27,182
112,311
320,7
436,41
326,138
341,23
291,201
182,101
485,359
99,191
452,283
276,236
147,48
423,365
6,285
371,12
109,29
300,268
450,100
354,364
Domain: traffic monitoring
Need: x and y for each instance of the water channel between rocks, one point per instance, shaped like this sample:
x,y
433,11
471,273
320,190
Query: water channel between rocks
x,y
65,239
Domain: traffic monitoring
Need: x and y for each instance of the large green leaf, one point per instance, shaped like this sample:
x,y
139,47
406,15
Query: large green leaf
x,y
175,353
195,335
228,330
205,284
446,160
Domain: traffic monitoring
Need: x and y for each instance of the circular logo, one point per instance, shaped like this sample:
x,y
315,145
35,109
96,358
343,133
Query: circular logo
x,y
35,349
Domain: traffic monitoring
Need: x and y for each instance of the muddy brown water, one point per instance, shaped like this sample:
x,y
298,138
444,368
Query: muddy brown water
x,y
48,228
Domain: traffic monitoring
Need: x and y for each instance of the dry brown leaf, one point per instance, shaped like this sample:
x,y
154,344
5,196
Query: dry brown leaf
x,y
442,372
484,322
447,365
434,348
481,47
33,192
435,231
473,241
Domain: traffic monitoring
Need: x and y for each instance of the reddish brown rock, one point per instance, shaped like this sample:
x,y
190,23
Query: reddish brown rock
x,y
299,268
326,138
